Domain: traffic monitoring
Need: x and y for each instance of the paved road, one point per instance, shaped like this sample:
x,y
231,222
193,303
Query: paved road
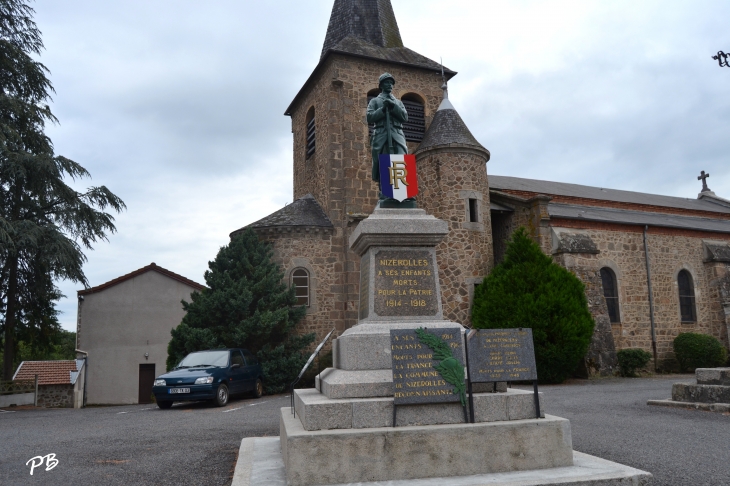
x,y
197,444
610,419
194,443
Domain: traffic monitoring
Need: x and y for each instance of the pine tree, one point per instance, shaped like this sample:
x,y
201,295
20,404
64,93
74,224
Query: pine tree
x,y
44,223
245,305
529,290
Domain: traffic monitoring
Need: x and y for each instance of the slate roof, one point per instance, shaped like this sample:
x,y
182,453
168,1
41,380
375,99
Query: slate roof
x,y
151,267
448,128
367,29
602,193
62,372
370,20
305,211
639,218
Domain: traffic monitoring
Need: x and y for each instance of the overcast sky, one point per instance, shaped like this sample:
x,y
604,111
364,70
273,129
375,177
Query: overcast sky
x,y
177,106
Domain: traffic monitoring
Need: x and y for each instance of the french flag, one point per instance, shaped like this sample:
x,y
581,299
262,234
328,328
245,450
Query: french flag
x,y
398,178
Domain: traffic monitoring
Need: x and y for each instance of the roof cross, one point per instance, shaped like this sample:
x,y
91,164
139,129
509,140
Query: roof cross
x,y
704,177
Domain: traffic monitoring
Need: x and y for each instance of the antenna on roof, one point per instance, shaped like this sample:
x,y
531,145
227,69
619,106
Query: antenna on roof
x,y
443,77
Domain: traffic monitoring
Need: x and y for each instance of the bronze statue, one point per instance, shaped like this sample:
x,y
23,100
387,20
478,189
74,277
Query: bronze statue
x,y
388,114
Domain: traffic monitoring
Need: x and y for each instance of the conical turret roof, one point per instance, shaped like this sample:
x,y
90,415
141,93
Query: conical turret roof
x,y
370,20
448,129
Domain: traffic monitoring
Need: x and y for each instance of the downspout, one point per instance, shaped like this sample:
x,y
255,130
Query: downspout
x,y
86,372
651,298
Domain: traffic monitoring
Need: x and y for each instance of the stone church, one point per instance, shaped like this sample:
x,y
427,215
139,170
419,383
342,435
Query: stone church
x,y
654,266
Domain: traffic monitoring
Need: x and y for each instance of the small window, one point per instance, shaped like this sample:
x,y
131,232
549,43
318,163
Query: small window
x,y
415,127
300,281
686,297
610,292
236,358
311,133
473,211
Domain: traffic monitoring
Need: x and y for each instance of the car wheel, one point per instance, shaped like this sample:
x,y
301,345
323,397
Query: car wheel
x,y
164,405
221,396
258,388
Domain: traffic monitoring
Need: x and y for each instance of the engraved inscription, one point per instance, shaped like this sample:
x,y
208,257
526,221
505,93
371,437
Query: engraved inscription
x,y
501,355
415,377
405,283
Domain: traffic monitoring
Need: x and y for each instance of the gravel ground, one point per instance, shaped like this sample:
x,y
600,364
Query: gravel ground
x,y
197,443
194,443
610,419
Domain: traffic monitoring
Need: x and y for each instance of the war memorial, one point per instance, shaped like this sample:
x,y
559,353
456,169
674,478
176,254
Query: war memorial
x,y
413,399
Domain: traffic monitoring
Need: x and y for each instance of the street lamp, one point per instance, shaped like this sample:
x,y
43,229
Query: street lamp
x,y
722,59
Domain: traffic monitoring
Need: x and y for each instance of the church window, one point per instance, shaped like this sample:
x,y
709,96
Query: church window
x,y
686,297
610,292
311,133
300,281
473,210
415,127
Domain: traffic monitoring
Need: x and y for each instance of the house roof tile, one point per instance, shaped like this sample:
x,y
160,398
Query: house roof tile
x,y
63,372
151,267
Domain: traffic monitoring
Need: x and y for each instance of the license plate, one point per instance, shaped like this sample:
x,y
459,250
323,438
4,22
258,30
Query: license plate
x,y
179,390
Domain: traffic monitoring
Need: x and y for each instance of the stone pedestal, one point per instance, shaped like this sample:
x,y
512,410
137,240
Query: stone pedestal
x,y
342,431
711,392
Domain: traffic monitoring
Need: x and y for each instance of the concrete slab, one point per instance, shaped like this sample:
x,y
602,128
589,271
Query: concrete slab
x,y
317,412
707,407
260,463
388,453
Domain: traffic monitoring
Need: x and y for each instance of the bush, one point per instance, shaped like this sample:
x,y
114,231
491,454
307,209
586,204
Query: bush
x,y
528,290
698,351
631,360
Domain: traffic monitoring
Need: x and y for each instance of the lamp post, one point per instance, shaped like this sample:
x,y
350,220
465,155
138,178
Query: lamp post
x,y
722,59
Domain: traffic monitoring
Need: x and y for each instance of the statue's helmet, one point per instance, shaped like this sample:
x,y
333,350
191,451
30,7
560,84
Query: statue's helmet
x,y
385,76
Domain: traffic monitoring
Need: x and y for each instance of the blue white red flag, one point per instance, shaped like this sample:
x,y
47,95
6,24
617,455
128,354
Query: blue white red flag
x,y
398,178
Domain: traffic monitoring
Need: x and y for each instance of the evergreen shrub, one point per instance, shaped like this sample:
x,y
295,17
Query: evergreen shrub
x,y
245,305
694,350
631,360
529,290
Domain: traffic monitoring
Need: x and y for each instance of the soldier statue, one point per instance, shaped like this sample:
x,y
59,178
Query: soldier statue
x,y
388,114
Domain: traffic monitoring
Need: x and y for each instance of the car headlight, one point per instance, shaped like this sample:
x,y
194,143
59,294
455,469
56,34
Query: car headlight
x,y
204,380
160,383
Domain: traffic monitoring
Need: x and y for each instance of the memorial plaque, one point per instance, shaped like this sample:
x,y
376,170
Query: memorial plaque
x,y
428,365
405,283
364,286
501,355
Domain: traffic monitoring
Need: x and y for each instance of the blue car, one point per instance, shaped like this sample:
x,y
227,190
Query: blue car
x,y
210,375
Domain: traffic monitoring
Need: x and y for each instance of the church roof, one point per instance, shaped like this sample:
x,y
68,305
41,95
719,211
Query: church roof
x,y
601,193
366,29
370,20
305,211
447,128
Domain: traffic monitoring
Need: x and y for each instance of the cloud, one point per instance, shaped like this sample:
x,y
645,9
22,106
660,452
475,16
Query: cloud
x,y
177,106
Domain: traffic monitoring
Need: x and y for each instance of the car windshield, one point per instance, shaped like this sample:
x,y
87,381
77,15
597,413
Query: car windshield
x,y
205,358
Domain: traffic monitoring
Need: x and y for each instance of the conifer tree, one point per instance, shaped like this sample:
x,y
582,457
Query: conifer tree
x,y
246,305
529,290
44,223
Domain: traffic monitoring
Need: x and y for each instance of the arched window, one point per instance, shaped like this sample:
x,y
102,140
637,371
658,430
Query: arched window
x,y
610,292
686,296
415,127
300,281
311,135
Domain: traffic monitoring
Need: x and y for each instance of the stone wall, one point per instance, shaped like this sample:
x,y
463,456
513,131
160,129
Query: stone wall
x,y
312,250
448,178
623,251
56,396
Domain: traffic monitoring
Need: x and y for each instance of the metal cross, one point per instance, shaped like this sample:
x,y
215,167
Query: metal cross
x,y
704,177
722,59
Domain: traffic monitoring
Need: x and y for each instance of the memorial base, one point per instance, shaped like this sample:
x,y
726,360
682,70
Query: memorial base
x,y
260,463
412,452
